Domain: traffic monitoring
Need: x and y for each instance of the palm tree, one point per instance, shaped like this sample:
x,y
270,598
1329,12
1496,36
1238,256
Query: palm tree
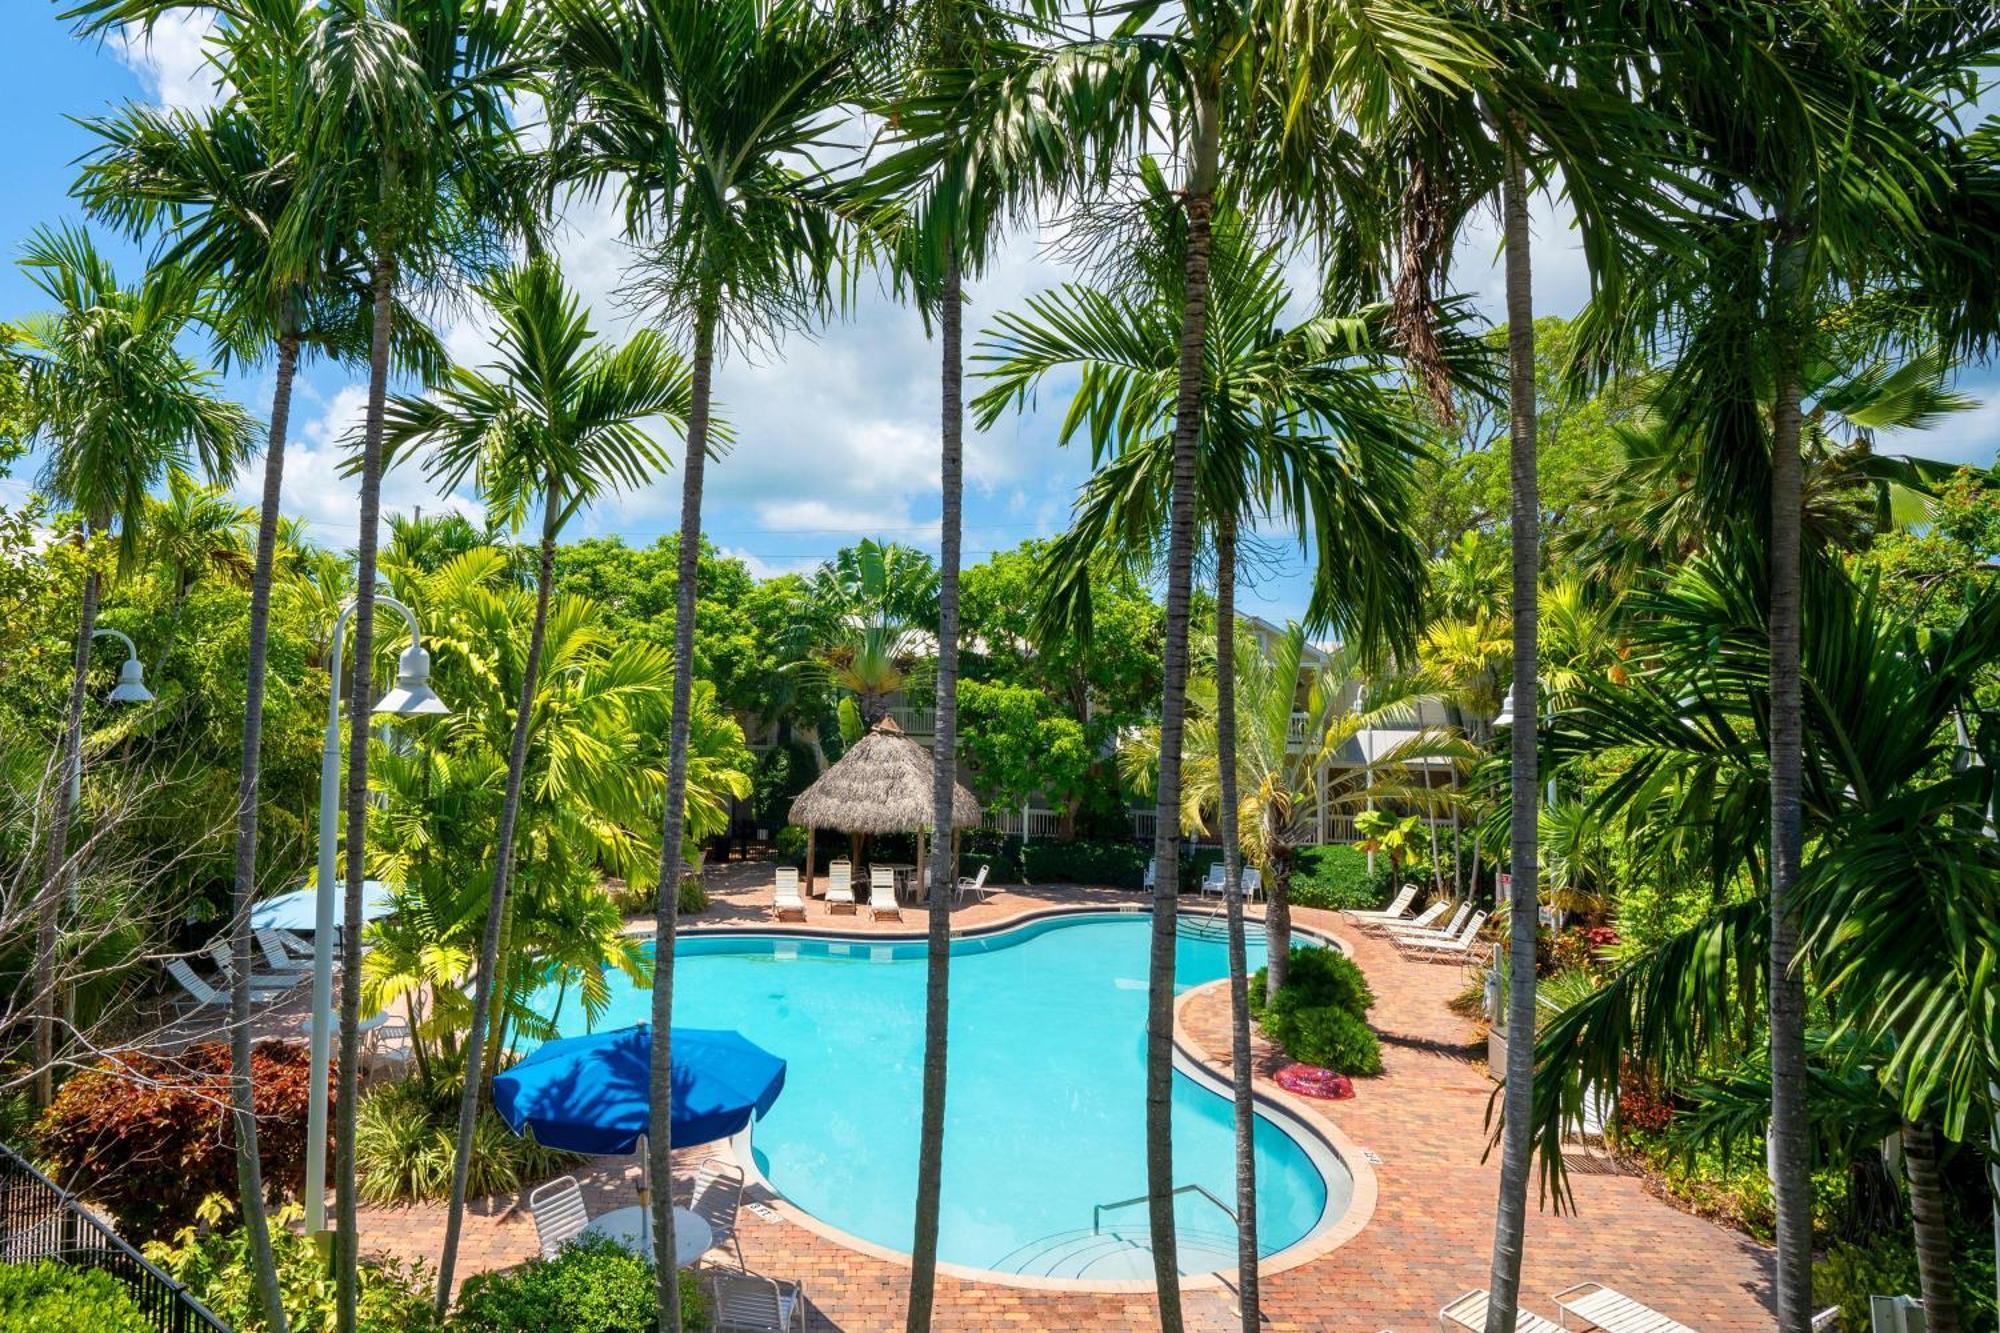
x,y
561,419
703,114
118,408
867,612
1297,425
412,147
194,533
1899,898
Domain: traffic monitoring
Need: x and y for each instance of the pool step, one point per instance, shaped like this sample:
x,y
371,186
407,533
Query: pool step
x,y
1115,1254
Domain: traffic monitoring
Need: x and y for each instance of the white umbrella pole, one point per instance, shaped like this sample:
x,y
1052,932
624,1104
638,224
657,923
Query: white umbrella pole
x,y
645,1195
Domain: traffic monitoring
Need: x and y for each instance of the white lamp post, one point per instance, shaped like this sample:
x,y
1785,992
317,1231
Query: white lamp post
x,y
410,697
130,689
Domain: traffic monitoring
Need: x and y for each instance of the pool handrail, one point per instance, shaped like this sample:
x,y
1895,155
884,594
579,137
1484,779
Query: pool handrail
x,y
1098,1210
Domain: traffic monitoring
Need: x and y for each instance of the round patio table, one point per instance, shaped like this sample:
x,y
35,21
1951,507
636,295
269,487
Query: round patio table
x,y
627,1226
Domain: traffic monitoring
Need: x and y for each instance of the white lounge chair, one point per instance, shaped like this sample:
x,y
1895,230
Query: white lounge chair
x,y
1594,1305
224,958
1426,919
1469,1312
718,1195
205,995
751,1301
559,1214
1465,944
276,957
840,886
975,886
1395,911
788,903
882,893
1398,931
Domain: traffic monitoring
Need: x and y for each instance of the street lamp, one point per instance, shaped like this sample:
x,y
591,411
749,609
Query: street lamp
x,y
130,689
411,697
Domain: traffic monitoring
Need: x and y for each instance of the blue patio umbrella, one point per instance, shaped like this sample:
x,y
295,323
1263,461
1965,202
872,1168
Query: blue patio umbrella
x,y
589,1094
295,911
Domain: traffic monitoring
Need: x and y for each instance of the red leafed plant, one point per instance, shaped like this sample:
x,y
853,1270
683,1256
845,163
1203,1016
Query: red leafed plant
x,y
147,1138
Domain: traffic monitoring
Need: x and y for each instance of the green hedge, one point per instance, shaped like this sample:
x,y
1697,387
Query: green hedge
x,y
1320,1015
49,1297
1335,877
593,1285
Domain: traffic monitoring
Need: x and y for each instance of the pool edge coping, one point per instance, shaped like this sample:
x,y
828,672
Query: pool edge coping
x,y
1287,1113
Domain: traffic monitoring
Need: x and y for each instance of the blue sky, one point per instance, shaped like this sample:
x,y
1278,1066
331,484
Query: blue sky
x,y
836,434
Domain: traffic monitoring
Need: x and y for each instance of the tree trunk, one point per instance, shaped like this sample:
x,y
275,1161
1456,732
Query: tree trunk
x,y
249,1169
48,908
1517,1129
496,900
1927,1210
944,759
1791,1179
360,705
1200,204
1232,893
659,1144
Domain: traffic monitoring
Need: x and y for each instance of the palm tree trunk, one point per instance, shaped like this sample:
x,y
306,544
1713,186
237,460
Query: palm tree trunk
x,y
659,1144
1200,204
48,908
1517,1142
1791,1179
360,705
496,901
1232,893
249,1168
944,760
1933,1228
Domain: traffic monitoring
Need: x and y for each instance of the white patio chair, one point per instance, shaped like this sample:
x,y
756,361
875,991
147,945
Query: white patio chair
x,y
1395,911
1454,948
1469,1312
1213,883
788,903
276,957
882,893
559,1214
1253,883
840,886
224,958
1424,920
718,1196
1594,1305
751,1301
388,1044
975,886
204,995
1399,931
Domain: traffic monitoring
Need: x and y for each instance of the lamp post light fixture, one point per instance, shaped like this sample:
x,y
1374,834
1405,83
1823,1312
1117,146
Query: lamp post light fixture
x,y
411,696
130,689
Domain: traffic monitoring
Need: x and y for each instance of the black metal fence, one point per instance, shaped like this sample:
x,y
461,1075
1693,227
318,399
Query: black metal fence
x,y
39,1221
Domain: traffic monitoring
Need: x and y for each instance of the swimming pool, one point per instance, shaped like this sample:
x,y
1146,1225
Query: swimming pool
x,y
1045,1106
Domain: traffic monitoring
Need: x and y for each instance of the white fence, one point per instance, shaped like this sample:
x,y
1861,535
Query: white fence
x,y
1040,825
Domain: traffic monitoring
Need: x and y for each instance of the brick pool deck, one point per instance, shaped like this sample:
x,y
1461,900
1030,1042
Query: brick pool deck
x,y
1420,1127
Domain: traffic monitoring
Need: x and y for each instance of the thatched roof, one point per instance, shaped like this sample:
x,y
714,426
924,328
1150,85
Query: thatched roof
x,y
881,785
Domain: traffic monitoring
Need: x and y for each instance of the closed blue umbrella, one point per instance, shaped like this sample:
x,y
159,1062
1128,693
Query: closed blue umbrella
x,y
590,1094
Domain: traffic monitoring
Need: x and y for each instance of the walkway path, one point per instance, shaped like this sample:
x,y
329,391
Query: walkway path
x,y
1428,1239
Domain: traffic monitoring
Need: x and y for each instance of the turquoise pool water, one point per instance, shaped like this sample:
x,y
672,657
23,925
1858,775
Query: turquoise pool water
x,y
1045,1108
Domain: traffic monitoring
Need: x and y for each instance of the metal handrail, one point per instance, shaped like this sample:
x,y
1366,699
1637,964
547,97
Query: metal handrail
x,y
1097,1211
39,1221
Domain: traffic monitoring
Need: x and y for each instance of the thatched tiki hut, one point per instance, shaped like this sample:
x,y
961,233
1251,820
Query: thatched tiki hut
x,y
881,785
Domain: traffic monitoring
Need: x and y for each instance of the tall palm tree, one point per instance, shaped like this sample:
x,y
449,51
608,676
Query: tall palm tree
x,y
561,419
413,147
865,618
706,117
1297,426
118,408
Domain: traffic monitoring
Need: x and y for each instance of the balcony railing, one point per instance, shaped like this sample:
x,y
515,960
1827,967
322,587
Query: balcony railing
x,y
38,1221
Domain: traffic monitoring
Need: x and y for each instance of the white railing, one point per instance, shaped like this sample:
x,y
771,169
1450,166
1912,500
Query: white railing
x,y
914,719
1040,824
1295,734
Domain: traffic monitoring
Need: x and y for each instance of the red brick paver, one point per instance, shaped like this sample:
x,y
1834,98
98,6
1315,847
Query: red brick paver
x,y
1428,1240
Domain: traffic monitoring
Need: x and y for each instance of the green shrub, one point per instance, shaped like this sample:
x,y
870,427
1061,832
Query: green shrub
x,y
1325,1035
1334,878
405,1135
49,1297
1121,865
213,1262
790,845
694,896
1317,977
594,1285
1000,855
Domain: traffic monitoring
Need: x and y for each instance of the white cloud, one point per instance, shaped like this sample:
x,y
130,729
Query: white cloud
x,y
761,567
329,502
170,57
